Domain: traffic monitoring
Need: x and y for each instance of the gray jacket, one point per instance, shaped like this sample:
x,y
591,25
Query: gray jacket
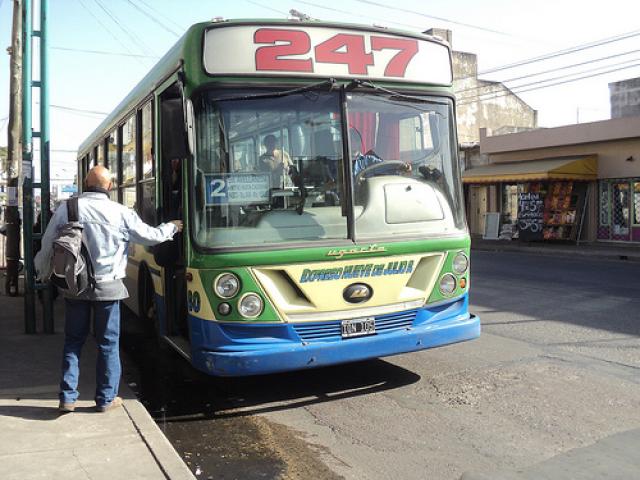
x,y
108,229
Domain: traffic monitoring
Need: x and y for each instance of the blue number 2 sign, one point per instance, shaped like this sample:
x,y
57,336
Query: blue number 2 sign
x,y
217,190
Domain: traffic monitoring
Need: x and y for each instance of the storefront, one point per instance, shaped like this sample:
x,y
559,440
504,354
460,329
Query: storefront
x,y
575,182
619,210
542,199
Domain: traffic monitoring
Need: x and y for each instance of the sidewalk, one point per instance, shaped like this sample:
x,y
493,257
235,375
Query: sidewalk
x,y
38,443
607,251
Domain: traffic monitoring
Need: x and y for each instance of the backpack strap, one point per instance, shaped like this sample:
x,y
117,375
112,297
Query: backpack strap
x,y
91,274
72,209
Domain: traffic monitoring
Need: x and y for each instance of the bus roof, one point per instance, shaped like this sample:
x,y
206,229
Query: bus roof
x,y
192,39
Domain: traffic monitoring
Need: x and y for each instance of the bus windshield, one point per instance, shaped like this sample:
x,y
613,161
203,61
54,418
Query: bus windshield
x,y
270,170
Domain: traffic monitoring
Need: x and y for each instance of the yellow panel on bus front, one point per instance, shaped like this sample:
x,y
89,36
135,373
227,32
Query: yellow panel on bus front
x,y
349,288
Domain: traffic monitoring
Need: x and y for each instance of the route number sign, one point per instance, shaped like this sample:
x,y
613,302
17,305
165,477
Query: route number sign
x,y
237,189
324,52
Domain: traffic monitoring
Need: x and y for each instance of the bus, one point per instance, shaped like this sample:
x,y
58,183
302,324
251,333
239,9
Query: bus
x,y
315,167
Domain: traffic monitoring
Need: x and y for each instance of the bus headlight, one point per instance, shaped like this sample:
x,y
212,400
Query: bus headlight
x,y
460,263
226,285
448,284
250,305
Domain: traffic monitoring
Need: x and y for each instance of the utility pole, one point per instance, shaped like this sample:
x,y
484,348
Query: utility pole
x,y
14,158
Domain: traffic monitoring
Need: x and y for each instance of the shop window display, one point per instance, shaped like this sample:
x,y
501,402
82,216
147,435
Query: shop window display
x,y
554,209
561,208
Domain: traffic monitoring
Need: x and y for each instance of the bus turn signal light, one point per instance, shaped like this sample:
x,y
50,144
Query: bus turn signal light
x,y
463,283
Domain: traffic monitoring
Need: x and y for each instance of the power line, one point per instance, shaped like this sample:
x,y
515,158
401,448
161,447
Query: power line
x,y
108,30
337,10
78,110
566,51
153,19
134,38
59,150
101,52
160,14
555,78
267,8
511,91
433,17
552,70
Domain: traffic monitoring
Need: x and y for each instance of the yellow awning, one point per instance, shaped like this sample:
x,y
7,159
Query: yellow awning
x,y
566,168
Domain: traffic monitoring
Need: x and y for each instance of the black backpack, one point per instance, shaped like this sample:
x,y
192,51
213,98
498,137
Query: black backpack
x,y
71,267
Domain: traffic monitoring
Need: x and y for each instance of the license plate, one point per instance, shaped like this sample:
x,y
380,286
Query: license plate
x,y
358,327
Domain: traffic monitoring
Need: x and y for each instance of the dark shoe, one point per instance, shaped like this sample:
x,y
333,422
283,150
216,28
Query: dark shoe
x,y
115,403
66,407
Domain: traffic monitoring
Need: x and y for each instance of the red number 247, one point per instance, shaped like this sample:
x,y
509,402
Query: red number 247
x,y
347,49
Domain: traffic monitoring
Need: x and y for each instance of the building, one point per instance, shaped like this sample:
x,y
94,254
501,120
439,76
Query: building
x,y
566,183
482,103
624,97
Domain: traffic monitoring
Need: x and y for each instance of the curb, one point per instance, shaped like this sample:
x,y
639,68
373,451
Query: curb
x,y
162,451
604,255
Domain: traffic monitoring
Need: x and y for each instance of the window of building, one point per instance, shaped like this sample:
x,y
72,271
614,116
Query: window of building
x,y
604,203
509,204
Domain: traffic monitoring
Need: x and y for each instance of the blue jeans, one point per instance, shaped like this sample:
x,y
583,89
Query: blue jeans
x,y
76,329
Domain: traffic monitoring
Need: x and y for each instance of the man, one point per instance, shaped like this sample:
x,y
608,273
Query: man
x,y
108,227
274,160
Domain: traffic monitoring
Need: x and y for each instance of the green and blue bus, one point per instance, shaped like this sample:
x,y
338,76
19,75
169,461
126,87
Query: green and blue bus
x,y
315,168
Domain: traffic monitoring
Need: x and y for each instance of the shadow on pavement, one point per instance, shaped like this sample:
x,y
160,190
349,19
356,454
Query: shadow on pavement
x,y
172,390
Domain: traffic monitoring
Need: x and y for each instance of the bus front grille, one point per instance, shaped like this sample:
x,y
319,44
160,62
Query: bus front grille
x,y
317,332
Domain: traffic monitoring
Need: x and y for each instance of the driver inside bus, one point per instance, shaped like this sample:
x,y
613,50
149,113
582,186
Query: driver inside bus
x,y
275,161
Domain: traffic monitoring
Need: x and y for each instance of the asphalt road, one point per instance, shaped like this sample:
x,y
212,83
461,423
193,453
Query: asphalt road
x,y
552,385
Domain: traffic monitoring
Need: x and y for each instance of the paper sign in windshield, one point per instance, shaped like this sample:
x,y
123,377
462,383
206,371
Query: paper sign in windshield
x,y
237,189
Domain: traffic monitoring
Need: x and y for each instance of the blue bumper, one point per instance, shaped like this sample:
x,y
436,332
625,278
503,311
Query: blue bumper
x,y
228,349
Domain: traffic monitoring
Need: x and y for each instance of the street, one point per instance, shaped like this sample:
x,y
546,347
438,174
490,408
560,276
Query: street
x,y
556,369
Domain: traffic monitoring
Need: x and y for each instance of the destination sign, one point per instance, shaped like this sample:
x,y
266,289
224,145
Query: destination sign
x,y
325,52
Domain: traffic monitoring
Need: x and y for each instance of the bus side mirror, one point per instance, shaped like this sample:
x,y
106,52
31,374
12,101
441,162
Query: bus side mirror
x,y
174,134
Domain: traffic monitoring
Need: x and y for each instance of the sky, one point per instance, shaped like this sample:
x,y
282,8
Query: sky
x,y
131,35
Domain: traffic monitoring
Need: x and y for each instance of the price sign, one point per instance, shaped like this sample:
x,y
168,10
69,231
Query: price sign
x,y
237,189
530,215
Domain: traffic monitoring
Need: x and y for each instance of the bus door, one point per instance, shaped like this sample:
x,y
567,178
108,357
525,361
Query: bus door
x,y
173,167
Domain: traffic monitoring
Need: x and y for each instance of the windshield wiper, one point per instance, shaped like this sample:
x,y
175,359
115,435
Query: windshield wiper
x,y
331,83
356,83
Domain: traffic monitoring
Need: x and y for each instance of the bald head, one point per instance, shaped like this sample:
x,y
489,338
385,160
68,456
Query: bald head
x,y
99,177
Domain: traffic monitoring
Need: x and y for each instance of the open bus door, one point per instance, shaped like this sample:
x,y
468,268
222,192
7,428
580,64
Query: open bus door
x,y
171,255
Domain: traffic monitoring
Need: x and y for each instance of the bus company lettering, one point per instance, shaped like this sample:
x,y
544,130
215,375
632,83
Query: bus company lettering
x,y
357,271
338,254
